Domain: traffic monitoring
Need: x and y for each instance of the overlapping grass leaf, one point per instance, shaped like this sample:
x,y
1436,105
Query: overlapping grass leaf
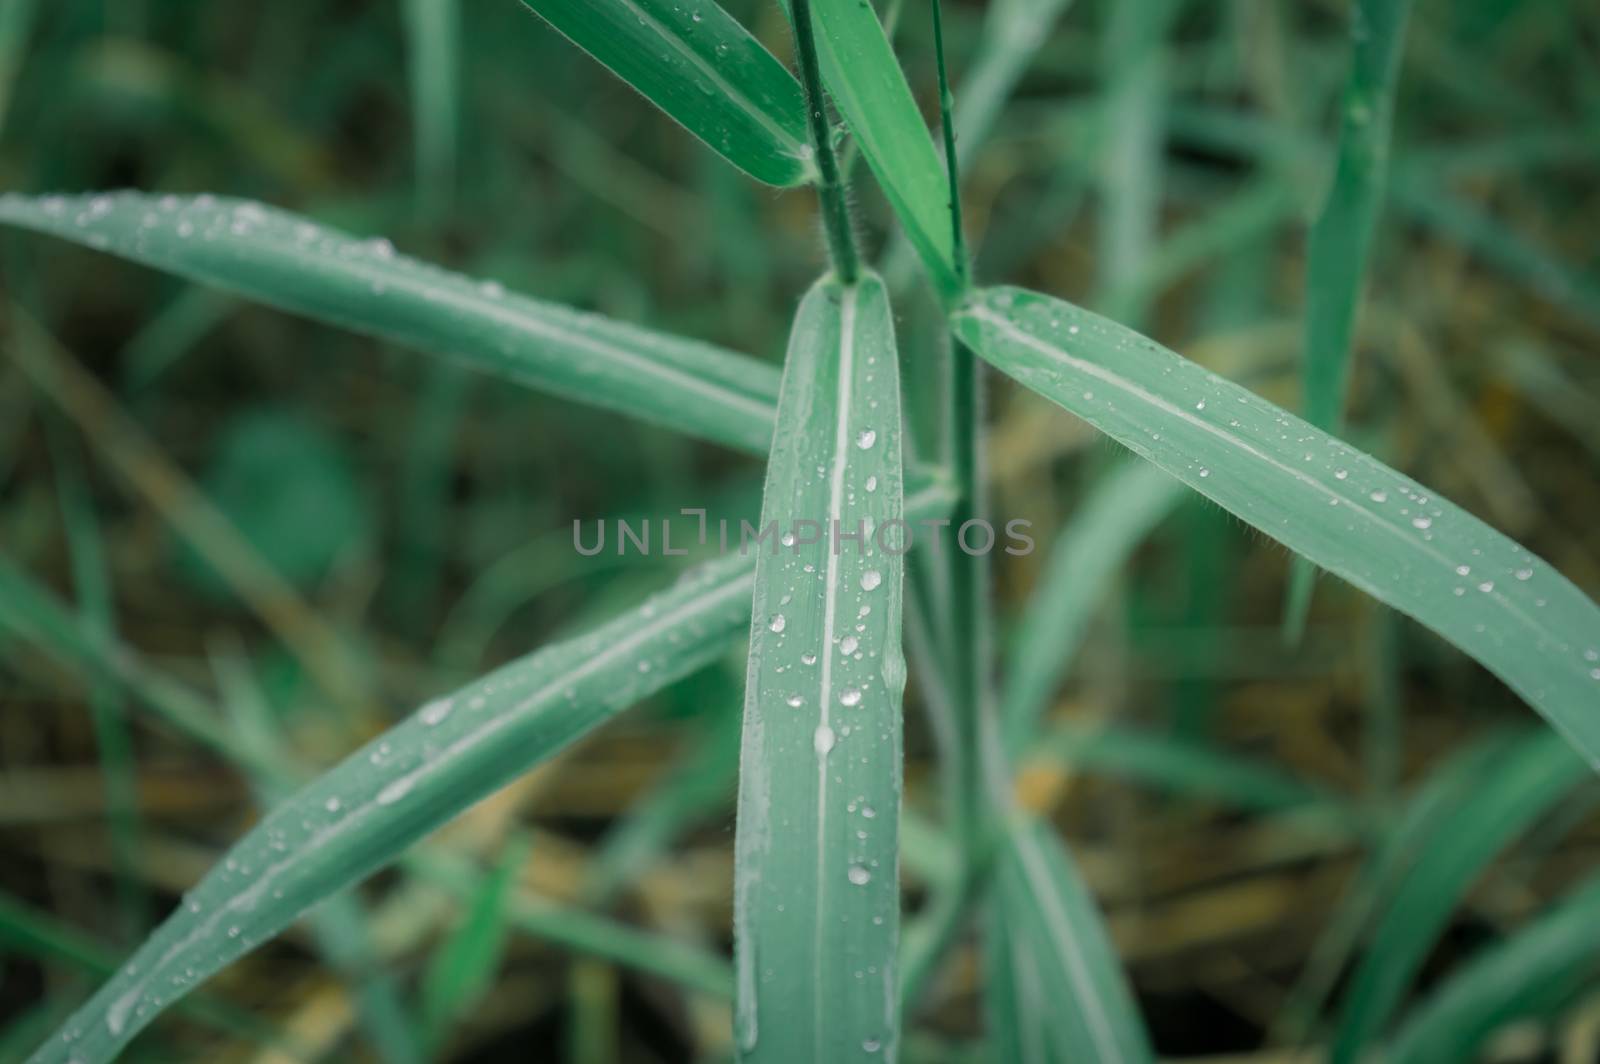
x,y
1349,513
696,63
1341,238
1112,520
1515,790
361,814
816,916
1065,981
867,85
1528,974
295,264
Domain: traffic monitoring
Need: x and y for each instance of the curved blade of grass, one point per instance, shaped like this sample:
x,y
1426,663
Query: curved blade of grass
x,y
1341,238
359,816
297,265
1382,870
1179,766
685,626
1521,787
1344,510
1059,939
816,918
1116,516
464,965
1017,1013
867,85
696,63
1521,976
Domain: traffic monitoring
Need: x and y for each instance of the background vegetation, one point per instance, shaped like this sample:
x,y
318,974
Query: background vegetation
x,y
1268,826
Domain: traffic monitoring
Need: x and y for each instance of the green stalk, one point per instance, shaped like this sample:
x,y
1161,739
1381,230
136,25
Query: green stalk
x,y
947,107
830,188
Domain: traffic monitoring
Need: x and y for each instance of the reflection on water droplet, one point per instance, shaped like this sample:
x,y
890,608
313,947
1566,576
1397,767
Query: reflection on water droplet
x,y
778,623
866,438
859,875
871,579
822,739
848,644
850,697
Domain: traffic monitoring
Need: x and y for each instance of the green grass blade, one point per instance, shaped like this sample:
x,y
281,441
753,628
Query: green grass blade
x,y
1018,1016
16,26
868,87
702,783
1520,976
696,63
1520,787
1116,516
294,264
584,932
1344,510
1059,938
464,965
1341,237
433,45
360,815
817,900
1385,866
1181,767
91,579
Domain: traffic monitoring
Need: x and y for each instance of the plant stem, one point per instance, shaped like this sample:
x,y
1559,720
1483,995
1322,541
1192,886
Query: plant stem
x,y
947,107
830,189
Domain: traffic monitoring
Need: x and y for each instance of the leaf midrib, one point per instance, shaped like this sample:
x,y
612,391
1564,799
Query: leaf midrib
x,y
700,63
1136,391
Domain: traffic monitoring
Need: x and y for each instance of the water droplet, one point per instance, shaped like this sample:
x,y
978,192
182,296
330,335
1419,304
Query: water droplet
x,y
1205,473
436,711
866,438
1463,570
1486,587
395,791
872,484
808,659
1201,405
1379,496
332,805
822,739
1524,574
871,579
859,875
872,1045
850,697
778,623
795,701
1422,522
848,644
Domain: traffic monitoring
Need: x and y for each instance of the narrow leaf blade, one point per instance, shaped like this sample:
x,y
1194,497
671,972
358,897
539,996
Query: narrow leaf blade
x,y
1349,513
816,880
297,265
1510,980
1059,939
866,83
1522,786
696,63
357,817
